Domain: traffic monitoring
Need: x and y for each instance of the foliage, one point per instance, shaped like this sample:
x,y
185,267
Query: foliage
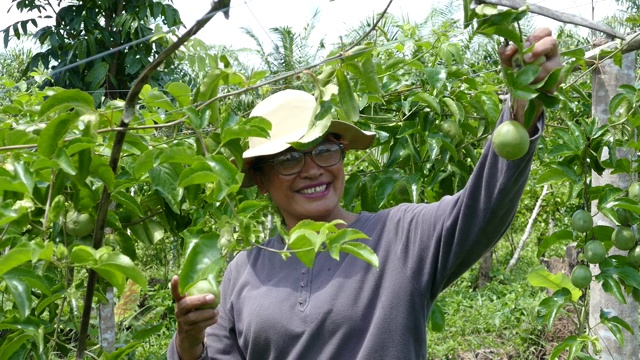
x,y
84,29
177,205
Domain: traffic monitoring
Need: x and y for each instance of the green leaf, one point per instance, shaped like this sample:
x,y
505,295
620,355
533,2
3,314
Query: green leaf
x,y
550,307
32,278
430,101
128,202
101,170
526,75
436,77
305,243
96,76
436,318
118,262
201,256
361,251
7,214
197,120
83,255
157,99
21,292
9,184
54,132
27,251
64,161
115,278
10,347
198,173
23,171
164,179
556,238
181,92
451,105
318,127
539,276
369,75
145,162
347,98
256,126
67,99
569,344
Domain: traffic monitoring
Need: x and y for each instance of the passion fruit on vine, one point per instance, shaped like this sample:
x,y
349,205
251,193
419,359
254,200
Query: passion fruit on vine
x,y
79,224
510,140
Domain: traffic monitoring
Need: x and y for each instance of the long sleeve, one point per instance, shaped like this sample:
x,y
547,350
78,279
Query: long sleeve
x,y
444,239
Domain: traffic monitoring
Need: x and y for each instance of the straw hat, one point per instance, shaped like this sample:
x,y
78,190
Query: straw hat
x,y
290,113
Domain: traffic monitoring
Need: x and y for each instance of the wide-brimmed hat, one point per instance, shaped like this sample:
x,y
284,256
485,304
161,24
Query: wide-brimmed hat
x,y
290,113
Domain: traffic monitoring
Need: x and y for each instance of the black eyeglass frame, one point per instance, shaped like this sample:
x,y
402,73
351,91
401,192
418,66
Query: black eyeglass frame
x,y
304,158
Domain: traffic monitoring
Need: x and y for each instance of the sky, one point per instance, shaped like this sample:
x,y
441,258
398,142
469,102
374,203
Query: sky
x,y
336,16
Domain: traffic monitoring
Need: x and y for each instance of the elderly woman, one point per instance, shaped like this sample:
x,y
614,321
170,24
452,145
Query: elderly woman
x,y
279,309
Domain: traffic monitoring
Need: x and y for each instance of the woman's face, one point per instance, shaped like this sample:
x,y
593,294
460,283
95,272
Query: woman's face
x,y
313,193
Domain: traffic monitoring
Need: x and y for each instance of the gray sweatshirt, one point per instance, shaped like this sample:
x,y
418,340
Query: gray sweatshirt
x,y
276,309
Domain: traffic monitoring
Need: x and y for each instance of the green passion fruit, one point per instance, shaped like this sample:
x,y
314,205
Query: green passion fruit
x,y
623,238
510,140
634,256
204,287
450,129
581,221
79,224
581,276
634,191
595,252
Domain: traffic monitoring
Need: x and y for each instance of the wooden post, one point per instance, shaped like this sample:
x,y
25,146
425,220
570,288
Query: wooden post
x,y
607,78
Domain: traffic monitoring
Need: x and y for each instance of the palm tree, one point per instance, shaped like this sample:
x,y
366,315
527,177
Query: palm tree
x,y
289,50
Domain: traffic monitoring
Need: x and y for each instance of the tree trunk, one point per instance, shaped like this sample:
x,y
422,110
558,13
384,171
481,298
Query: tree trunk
x,y
484,276
528,230
606,79
108,323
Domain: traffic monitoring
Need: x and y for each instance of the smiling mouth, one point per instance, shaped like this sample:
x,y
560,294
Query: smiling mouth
x,y
314,190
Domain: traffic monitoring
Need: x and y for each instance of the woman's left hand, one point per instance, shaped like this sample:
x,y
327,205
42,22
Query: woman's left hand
x,y
545,46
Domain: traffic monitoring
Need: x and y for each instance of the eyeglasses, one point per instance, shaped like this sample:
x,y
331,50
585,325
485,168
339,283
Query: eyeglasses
x,y
292,162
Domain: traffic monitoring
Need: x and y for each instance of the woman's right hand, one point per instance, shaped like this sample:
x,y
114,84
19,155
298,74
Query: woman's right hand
x,y
192,321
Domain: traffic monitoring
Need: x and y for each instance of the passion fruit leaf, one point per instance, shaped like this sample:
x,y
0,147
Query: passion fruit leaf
x,y
200,250
430,101
436,318
346,97
369,75
361,251
181,92
21,292
121,263
54,132
615,324
552,306
83,255
66,99
612,286
540,276
115,278
100,169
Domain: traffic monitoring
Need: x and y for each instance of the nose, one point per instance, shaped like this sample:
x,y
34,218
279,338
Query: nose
x,y
310,169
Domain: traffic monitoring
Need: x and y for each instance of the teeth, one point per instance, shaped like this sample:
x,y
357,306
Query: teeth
x,y
314,189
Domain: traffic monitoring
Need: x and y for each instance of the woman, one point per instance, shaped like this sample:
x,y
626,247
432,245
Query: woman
x,y
276,309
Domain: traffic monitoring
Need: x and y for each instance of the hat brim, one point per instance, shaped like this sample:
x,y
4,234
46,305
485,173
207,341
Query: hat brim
x,y
354,137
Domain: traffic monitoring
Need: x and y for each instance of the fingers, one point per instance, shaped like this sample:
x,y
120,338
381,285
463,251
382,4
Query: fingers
x,y
175,286
544,44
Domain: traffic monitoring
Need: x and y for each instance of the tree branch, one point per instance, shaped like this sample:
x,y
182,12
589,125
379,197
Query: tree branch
x,y
556,15
528,230
127,116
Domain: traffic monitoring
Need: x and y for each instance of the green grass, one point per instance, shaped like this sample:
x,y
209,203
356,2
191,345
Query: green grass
x,y
498,320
